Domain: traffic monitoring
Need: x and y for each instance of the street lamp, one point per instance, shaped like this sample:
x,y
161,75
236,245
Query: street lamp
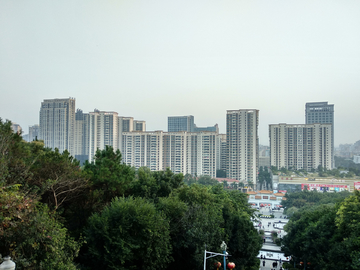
x,y
209,254
223,247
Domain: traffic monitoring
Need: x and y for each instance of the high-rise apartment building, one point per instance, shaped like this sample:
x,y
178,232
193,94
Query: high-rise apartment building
x,y
192,153
242,144
103,130
181,123
323,113
143,149
125,124
57,120
301,146
182,152
81,136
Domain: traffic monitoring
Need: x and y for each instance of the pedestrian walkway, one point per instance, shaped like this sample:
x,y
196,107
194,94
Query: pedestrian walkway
x,y
268,265
271,251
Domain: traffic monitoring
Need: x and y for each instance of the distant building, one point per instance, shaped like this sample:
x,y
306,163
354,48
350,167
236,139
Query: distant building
x,y
322,113
81,136
56,125
242,144
301,146
356,159
181,123
222,152
190,152
16,128
26,137
102,130
34,132
214,128
142,148
183,152
264,161
139,125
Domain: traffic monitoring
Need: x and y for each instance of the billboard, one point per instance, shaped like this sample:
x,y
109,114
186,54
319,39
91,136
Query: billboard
x,y
325,187
357,185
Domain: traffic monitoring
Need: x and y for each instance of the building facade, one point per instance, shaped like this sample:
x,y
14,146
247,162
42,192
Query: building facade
x,y
323,113
34,132
182,152
143,149
102,128
181,123
222,152
139,125
301,146
57,120
242,145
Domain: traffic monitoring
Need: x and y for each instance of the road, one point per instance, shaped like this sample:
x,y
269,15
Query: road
x,y
269,249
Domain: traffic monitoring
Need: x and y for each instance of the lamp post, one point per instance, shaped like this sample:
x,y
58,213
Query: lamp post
x,y
8,264
223,247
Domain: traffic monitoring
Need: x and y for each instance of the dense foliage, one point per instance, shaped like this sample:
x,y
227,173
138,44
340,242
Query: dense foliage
x,y
107,215
128,234
324,231
296,200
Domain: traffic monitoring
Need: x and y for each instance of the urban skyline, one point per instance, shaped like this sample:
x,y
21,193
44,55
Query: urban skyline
x,y
214,126
186,148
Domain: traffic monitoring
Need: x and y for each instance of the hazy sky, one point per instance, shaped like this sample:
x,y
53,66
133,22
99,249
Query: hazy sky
x,y
154,59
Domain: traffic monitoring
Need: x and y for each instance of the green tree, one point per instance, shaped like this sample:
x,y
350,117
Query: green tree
x,y
309,236
31,234
15,156
109,176
207,180
348,223
189,179
153,185
195,220
58,178
327,235
128,234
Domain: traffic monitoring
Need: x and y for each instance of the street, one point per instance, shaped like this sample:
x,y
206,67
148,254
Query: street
x,y
270,250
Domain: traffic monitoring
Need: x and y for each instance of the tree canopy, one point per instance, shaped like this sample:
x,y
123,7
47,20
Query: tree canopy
x,y
326,235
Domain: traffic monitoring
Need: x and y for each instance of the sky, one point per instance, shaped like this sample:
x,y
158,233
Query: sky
x,y
153,59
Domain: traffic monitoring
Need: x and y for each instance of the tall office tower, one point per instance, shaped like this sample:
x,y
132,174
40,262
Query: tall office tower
x,y
139,125
34,132
242,145
301,146
181,123
143,149
103,130
323,113
57,120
